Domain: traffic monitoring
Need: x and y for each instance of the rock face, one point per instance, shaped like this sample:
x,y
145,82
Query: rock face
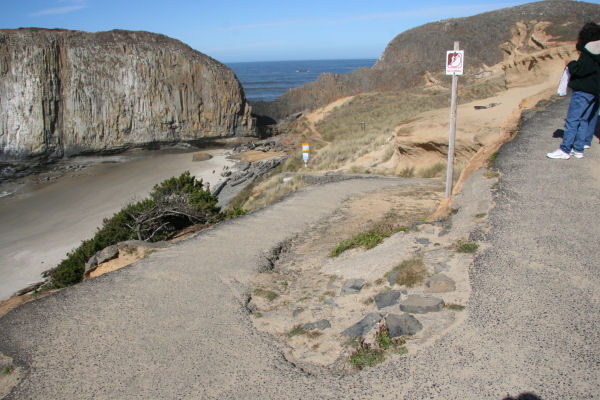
x,y
415,57
70,92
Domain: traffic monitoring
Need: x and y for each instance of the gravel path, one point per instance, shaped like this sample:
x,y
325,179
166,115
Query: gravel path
x,y
174,326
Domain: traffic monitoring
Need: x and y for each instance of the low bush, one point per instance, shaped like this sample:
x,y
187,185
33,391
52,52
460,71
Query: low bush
x,y
173,205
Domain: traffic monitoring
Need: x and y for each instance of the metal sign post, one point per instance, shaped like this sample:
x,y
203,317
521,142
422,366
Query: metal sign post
x,y
454,66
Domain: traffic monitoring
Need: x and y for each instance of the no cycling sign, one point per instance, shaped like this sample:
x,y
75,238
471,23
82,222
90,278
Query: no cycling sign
x,y
455,61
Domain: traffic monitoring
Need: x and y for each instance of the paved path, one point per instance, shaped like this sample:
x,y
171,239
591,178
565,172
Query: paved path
x,y
172,326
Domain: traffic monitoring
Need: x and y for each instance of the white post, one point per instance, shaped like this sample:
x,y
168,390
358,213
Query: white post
x,y
450,167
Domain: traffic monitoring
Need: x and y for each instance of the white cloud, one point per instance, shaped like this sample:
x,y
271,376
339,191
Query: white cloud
x,y
74,6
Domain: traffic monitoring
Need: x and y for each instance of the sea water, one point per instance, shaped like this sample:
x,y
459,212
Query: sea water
x,y
267,80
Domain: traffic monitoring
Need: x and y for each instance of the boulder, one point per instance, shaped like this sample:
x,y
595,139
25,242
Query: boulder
x,y
402,325
418,304
362,327
353,286
439,283
387,299
320,325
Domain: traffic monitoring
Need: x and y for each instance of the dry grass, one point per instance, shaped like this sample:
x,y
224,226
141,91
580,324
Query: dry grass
x,y
411,272
367,122
272,190
437,170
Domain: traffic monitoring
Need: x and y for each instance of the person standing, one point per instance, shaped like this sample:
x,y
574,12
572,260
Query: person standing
x,y
585,82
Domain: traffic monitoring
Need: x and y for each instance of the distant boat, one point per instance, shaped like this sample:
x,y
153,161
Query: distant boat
x,y
301,70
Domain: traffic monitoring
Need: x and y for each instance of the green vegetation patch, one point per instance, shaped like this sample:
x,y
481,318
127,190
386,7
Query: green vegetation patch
x,y
174,204
368,355
368,239
7,370
466,247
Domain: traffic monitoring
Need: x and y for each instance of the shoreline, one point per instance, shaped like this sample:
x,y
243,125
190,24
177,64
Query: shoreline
x,y
50,213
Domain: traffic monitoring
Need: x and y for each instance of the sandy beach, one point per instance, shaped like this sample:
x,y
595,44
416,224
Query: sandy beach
x,y
42,222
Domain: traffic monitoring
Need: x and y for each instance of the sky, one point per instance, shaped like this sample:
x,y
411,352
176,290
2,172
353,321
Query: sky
x,y
259,30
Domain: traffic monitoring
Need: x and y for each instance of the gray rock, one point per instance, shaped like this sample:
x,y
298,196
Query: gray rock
x,y
440,283
392,277
418,304
149,107
101,256
401,325
441,266
330,302
387,299
352,286
362,327
444,232
297,312
320,325
423,241
30,288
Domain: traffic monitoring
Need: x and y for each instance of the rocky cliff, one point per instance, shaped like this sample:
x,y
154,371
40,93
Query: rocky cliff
x,y
70,92
416,57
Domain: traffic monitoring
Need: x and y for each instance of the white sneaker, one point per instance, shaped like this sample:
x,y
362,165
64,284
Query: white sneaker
x,y
576,154
587,146
558,154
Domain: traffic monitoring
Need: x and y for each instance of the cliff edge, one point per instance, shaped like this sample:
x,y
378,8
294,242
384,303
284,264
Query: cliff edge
x,y
70,92
415,57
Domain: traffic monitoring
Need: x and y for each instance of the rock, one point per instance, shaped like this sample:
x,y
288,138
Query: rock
x,y
418,304
440,283
402,325
106,254
387,299
201,156
441,266
320,325
423,241
107,91
112,252
392,277
30,288
331,302
297,312
362,327
352,286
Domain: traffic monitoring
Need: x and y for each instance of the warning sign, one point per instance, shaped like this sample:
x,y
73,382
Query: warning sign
x,y
455,60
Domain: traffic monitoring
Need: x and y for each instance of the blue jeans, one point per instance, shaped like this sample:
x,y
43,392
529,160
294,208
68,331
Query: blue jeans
x,y
592,125
580,115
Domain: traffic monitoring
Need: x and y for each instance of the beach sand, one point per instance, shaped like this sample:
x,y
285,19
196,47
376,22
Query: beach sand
x,y
42,222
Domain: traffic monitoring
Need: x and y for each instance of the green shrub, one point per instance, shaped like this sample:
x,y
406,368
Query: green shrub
x,y
173,205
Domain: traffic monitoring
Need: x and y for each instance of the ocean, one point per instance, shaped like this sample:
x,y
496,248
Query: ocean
x,y
267,80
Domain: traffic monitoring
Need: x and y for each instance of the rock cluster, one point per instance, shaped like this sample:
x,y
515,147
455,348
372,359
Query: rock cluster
x,y
242,174
71,92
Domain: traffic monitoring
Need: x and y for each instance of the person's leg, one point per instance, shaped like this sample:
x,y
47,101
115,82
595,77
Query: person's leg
x,y
576,123
592,124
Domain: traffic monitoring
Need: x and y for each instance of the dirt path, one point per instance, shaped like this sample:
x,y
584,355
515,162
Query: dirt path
x,y
174,325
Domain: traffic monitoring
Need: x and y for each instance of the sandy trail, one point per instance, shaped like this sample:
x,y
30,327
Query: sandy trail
x,y
39,226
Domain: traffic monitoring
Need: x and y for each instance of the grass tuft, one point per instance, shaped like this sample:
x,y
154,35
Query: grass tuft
x,y
7,370
267,294
411,272
466,247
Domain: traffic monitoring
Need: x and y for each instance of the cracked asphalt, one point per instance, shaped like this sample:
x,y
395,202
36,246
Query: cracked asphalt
x,y
174,326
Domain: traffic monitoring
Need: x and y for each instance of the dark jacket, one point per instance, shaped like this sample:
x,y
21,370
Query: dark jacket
x,y
585,72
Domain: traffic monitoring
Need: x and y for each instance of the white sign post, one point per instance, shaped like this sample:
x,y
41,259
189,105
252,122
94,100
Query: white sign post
x,y
305,151
455,60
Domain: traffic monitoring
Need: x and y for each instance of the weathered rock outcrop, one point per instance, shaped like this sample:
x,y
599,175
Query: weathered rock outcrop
x,y
70,92
415,57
